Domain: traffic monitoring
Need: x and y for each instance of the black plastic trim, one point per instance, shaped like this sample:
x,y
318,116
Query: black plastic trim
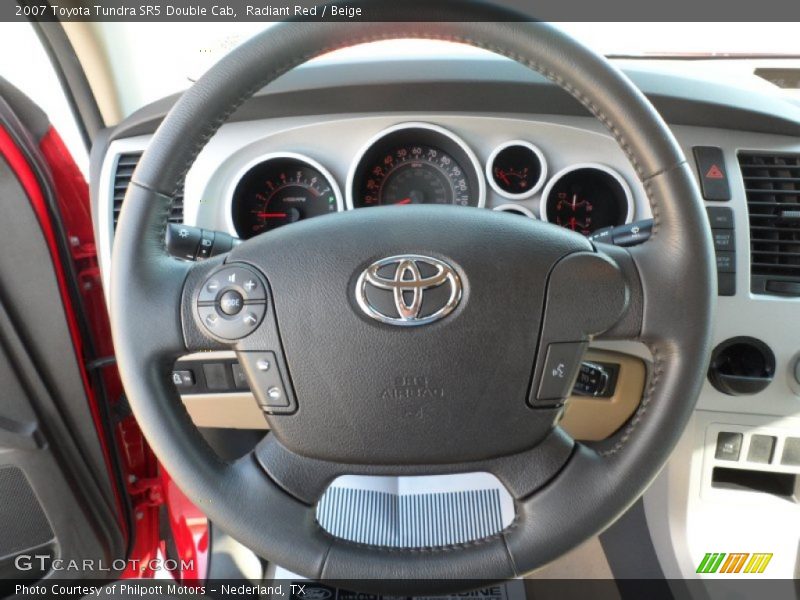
x,y
72,78
480,86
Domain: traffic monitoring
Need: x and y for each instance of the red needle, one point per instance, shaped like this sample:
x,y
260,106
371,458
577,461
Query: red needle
x,y
404,201
269,215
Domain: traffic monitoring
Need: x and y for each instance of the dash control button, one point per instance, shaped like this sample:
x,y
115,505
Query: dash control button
x,y
791,452
216,375
729,445
239,377
183,378
720,217
713,175
560,370
762,448
726,262
723,240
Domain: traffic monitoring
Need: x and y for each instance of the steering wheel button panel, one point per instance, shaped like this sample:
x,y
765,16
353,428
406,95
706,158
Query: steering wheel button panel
x,y
232,302
560,371
267,383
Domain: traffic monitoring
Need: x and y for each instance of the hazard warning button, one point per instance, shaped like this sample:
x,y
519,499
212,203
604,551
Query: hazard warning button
x,y
713,176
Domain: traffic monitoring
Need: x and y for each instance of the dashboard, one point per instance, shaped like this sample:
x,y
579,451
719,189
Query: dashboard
x,y
490,135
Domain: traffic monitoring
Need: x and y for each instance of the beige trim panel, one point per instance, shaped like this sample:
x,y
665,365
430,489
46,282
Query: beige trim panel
x,y
586,562
592,419
94,61
231,411
587,419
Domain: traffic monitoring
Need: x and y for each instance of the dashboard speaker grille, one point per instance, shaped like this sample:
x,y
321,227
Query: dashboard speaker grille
x,y
772,186
126,163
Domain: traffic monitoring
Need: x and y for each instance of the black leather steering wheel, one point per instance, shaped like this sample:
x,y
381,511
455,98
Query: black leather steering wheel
x,y
525,286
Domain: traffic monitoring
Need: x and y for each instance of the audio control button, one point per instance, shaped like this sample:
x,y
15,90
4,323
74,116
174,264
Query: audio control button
x,y
231,327
231,302
242,280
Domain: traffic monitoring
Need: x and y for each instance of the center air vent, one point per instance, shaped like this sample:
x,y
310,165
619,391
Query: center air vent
x,y
772,184
126,163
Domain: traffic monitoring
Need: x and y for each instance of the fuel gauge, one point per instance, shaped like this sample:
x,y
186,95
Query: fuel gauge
x,y
516,170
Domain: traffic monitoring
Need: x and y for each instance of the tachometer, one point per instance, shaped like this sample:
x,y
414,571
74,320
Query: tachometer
x,y
282,189
588,197
416,163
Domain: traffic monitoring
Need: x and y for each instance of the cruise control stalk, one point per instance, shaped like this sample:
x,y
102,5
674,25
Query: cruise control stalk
x,y
630,234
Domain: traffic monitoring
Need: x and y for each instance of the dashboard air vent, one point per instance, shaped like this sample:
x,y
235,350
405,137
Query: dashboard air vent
x,y
772,185
126,163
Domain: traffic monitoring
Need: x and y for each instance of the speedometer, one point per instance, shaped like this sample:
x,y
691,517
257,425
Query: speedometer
x,y
415,174
416,164
279,190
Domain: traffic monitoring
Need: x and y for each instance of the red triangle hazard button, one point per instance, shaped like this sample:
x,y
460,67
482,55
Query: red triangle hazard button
x,y
715,173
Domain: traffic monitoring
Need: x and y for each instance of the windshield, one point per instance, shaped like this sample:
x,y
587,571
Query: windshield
x,y
177,53
149,61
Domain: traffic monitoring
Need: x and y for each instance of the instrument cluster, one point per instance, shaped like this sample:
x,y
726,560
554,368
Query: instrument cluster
x,y
421,163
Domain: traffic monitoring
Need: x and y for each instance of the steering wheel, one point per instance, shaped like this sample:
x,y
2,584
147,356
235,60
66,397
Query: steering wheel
x,y
510,301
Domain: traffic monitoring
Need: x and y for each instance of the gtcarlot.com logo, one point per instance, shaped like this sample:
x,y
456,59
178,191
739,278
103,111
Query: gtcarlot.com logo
x,y
737,562
45,563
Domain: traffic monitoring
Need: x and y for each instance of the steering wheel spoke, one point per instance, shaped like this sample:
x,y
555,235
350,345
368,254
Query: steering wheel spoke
x,y
307,478
588,295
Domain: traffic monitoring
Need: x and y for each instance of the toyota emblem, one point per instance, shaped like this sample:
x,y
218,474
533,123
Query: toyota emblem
x,y
408,290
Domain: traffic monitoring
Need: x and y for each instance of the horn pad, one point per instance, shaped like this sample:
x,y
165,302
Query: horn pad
x,y
410,333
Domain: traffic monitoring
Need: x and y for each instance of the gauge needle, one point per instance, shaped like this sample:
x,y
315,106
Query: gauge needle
x,y
275,215
574,200
404,201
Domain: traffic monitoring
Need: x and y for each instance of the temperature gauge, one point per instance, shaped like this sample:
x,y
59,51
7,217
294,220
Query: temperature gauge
x,y
516,170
